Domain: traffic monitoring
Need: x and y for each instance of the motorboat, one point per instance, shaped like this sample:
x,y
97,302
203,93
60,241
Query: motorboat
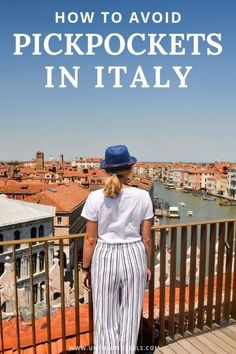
x,y
209,198
182,203
156,221
190,212
170,185
173,212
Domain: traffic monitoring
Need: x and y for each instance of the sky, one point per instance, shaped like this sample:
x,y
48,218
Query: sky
x,y
157,124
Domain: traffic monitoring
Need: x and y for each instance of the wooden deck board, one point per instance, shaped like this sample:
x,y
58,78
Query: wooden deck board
x,y
219,341
200,345
178,348
166,350
232,328
229,333
225,339
185,344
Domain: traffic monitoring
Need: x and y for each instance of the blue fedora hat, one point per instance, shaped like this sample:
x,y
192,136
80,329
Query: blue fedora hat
x,y
117,157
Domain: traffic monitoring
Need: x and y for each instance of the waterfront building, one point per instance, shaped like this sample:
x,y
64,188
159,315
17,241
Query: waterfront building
x,y
222,185
231,191
20,220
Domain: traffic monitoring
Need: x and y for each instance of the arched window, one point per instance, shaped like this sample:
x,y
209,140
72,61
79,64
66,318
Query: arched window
x,y
1,247
41,231
35,293
33,233
42,291
41,261
17,237
1,268
64,259
34,263
18,268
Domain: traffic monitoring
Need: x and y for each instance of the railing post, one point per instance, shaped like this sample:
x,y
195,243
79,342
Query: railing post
x,y
1,328
233,310
228,275
63,317
192,280
151,293
172,283
162,287
220,272
182,279
48,298
202,276
16,302
211,275
32,299
76,287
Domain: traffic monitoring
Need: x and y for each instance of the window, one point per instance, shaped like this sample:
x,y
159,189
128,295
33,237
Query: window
x,y
59,220
17,237
1,268
41,231
33,233
42,290
41,261
34,263
1,247
35,293
18,268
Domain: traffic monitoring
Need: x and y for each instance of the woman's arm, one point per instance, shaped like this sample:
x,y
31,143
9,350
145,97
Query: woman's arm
x,y
90,240
147,240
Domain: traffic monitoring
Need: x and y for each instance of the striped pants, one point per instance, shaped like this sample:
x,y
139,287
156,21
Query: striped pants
x,y
118,279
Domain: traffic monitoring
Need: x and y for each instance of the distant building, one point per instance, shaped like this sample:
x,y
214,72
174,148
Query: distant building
x,y
39,160
18,221
68,201
232,182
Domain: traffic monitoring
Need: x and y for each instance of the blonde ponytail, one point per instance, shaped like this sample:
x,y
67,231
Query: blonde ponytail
x,y
112,187
113,184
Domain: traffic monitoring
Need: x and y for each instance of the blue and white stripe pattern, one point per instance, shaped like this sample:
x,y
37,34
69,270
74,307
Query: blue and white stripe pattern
x,y
118,280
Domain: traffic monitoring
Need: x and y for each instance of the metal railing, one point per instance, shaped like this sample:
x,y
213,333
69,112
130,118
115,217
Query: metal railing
x,y
193,286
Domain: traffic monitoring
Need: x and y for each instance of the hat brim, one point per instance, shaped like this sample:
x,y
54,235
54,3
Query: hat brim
x,y
132,161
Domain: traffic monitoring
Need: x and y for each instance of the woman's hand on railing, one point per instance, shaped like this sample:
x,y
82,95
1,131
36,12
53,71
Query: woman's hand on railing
x,y
86,281
149,275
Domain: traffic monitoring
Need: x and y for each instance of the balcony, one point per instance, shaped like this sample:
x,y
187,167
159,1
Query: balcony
x,y
193,290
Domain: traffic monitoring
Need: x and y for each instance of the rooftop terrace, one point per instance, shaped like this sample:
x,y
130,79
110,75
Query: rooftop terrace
x,y
193,290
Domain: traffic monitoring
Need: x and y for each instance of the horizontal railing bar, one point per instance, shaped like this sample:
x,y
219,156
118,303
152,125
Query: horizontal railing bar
x,y
40,239
157,228
195,223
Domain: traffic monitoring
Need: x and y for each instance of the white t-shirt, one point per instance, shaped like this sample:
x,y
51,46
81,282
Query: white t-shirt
x,y
119,219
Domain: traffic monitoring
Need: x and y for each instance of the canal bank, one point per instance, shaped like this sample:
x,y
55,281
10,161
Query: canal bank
x,y
203,210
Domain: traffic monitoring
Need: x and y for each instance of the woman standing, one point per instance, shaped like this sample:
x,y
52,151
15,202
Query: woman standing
x,y
117,254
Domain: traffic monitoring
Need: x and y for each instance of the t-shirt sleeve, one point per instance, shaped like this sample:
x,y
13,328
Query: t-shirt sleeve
x,y
89,211
148,207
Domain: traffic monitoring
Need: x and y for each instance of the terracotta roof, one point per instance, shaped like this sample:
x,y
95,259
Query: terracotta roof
x,y
64,197
23,187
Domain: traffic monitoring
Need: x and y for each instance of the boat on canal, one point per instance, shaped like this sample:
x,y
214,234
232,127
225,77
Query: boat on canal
x,y
173,212
209,198
228,203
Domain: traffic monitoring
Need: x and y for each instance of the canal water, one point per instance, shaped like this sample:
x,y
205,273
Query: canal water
x,y
202,209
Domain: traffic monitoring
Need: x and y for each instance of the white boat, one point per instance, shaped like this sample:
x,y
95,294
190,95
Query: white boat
x,y
170,185
156,221
173,212
182,203
190,212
